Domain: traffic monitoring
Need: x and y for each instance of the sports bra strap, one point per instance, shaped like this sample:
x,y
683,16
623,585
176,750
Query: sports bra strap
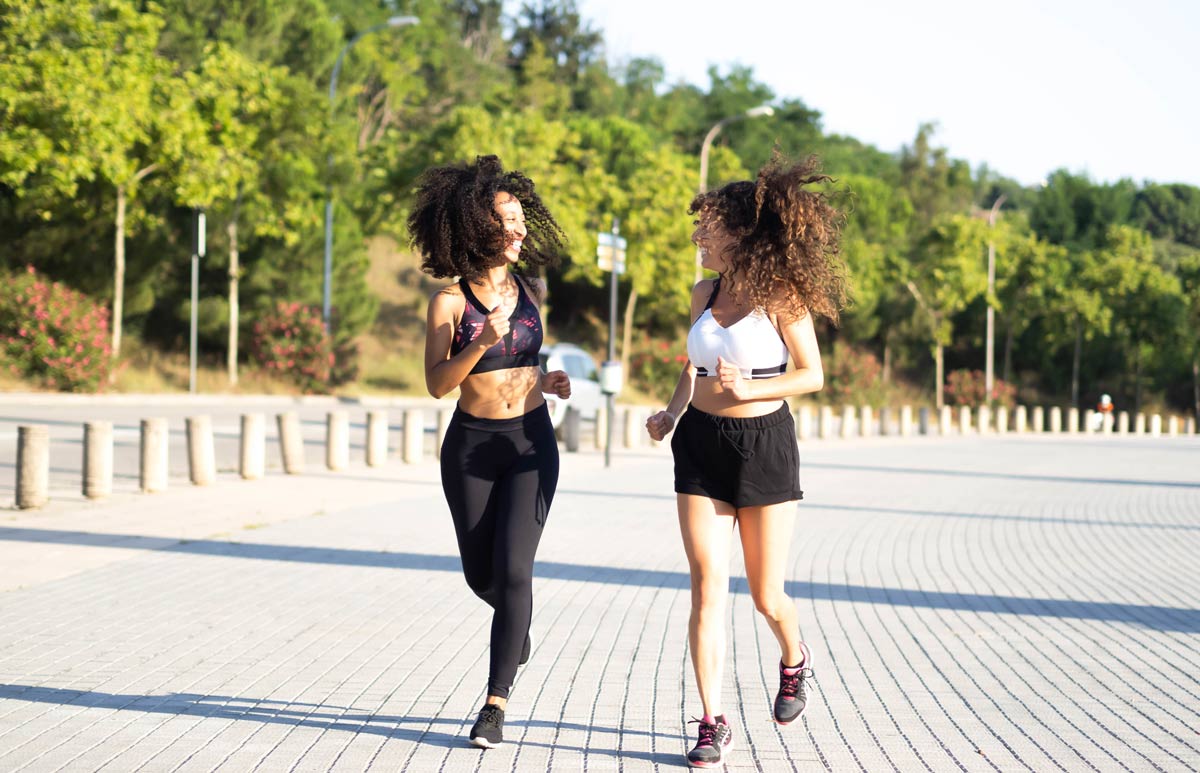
x,y
713,295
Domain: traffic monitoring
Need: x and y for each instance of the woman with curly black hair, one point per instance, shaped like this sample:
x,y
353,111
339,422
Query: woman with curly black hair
x,y
499,459
774,243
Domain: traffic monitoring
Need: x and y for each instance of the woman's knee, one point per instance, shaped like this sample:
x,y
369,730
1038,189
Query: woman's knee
x,y
772,604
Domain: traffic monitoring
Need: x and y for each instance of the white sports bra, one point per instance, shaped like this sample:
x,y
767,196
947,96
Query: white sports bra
x,y
752,343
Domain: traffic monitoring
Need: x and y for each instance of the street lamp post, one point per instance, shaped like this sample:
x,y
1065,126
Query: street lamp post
x,y
988,379
395,21
753,112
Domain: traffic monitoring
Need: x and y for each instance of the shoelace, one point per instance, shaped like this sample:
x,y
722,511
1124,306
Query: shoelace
x,y
708,732
789,684
490,717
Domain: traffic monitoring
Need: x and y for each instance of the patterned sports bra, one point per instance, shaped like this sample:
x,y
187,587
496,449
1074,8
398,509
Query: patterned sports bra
x,y
752,343
518,349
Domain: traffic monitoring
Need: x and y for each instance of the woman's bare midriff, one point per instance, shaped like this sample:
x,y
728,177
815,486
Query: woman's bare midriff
x,y
501,394
710,397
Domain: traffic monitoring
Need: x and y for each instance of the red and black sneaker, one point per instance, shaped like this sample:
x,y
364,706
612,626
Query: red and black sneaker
x,y
716,739
792,698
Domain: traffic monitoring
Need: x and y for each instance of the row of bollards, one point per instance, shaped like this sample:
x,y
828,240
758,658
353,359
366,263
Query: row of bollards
x,y
33,448
862,422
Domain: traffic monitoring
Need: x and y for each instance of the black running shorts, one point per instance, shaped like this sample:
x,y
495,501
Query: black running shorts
x,y
745,462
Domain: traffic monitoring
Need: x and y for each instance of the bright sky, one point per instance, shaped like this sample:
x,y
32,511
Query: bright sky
x,y
1107,88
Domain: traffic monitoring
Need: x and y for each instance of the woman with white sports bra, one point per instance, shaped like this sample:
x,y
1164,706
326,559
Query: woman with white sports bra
x,y
774,243
499,459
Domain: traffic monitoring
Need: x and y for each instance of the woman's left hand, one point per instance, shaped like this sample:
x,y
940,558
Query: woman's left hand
x,y
557,382
731,380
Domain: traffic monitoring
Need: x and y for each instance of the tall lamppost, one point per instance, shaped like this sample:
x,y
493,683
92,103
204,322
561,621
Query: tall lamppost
x,y
395,21
753,112
988,379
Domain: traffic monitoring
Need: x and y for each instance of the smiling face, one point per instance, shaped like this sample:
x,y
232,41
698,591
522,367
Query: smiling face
x,y
508,209
714,241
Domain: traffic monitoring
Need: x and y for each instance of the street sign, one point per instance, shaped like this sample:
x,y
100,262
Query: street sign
x,y
608,246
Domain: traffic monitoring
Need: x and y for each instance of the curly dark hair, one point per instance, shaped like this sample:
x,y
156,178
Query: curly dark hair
x,y
787,251
455,227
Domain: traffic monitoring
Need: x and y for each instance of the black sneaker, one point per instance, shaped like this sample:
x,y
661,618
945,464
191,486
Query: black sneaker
x,y
488,732
715,741
526,649
792,699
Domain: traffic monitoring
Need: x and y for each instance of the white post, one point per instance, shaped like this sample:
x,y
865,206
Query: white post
x,y
97,459
1173,426
633,432
1089,422
1156,425
1055,420
337,440
946,421
906,420
985,419
1139,424
1123,423
1001,419
1072,420
33,466
153,467
825,422
804,422
252,451
291,442
377,438
601,424
866,421
414,435
202,461
1020,419
885,421
847,429
444,415
964,419
1039,419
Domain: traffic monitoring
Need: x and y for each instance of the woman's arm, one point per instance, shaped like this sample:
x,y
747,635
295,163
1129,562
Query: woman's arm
x,y
801,341
444,373
663,422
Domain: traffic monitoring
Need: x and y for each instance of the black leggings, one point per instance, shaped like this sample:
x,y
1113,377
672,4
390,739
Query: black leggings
x,y
499,476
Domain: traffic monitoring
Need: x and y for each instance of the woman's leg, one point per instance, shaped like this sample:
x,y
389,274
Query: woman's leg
x,y
523,499
707,529
766,534
468,485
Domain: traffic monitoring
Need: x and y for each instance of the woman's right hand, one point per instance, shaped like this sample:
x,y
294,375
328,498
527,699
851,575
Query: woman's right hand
x,y
660,424
495,327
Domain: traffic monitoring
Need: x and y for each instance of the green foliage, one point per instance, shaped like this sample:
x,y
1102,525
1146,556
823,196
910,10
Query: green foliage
x,y
969,387
655,365
53,334
290,341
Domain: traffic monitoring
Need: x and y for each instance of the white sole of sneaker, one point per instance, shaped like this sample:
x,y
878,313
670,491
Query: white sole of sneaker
x,y
483,743
720,763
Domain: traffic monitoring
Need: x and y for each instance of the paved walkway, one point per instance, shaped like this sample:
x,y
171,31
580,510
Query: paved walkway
x,y
973,604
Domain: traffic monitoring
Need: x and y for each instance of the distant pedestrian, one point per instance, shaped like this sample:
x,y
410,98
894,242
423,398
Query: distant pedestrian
x,y
774,243
499,460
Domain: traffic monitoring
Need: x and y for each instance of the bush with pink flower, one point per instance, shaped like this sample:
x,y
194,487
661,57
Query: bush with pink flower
x,y
290,342
968,387
52,334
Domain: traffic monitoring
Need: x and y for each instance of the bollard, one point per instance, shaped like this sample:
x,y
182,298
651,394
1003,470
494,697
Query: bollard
x,y
885,421
1001,419
804,422
906,420
443,426
377,438
866,421
1139,424
1156,425
1055,420
33,466
571,430
1173,426
1038,424
945,417
291,442
1123,423
202,460
1020,417
964,419
414,435
633,436
97,459
337,440
1089,422
984,419
923,415
847,429
602,428
1072,420
825,422
1189,425
252,450
153,468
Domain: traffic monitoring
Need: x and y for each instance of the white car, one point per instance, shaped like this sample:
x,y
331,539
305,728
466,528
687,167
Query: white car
x,y
586,397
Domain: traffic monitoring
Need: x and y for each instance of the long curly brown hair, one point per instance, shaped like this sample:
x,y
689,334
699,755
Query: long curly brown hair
x,y
455,227
786,254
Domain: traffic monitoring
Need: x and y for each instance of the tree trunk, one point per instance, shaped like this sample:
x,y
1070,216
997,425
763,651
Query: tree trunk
x,y
232,356
886,375
1137,378
119,275
937,358
627,330
1075,363
1008,345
